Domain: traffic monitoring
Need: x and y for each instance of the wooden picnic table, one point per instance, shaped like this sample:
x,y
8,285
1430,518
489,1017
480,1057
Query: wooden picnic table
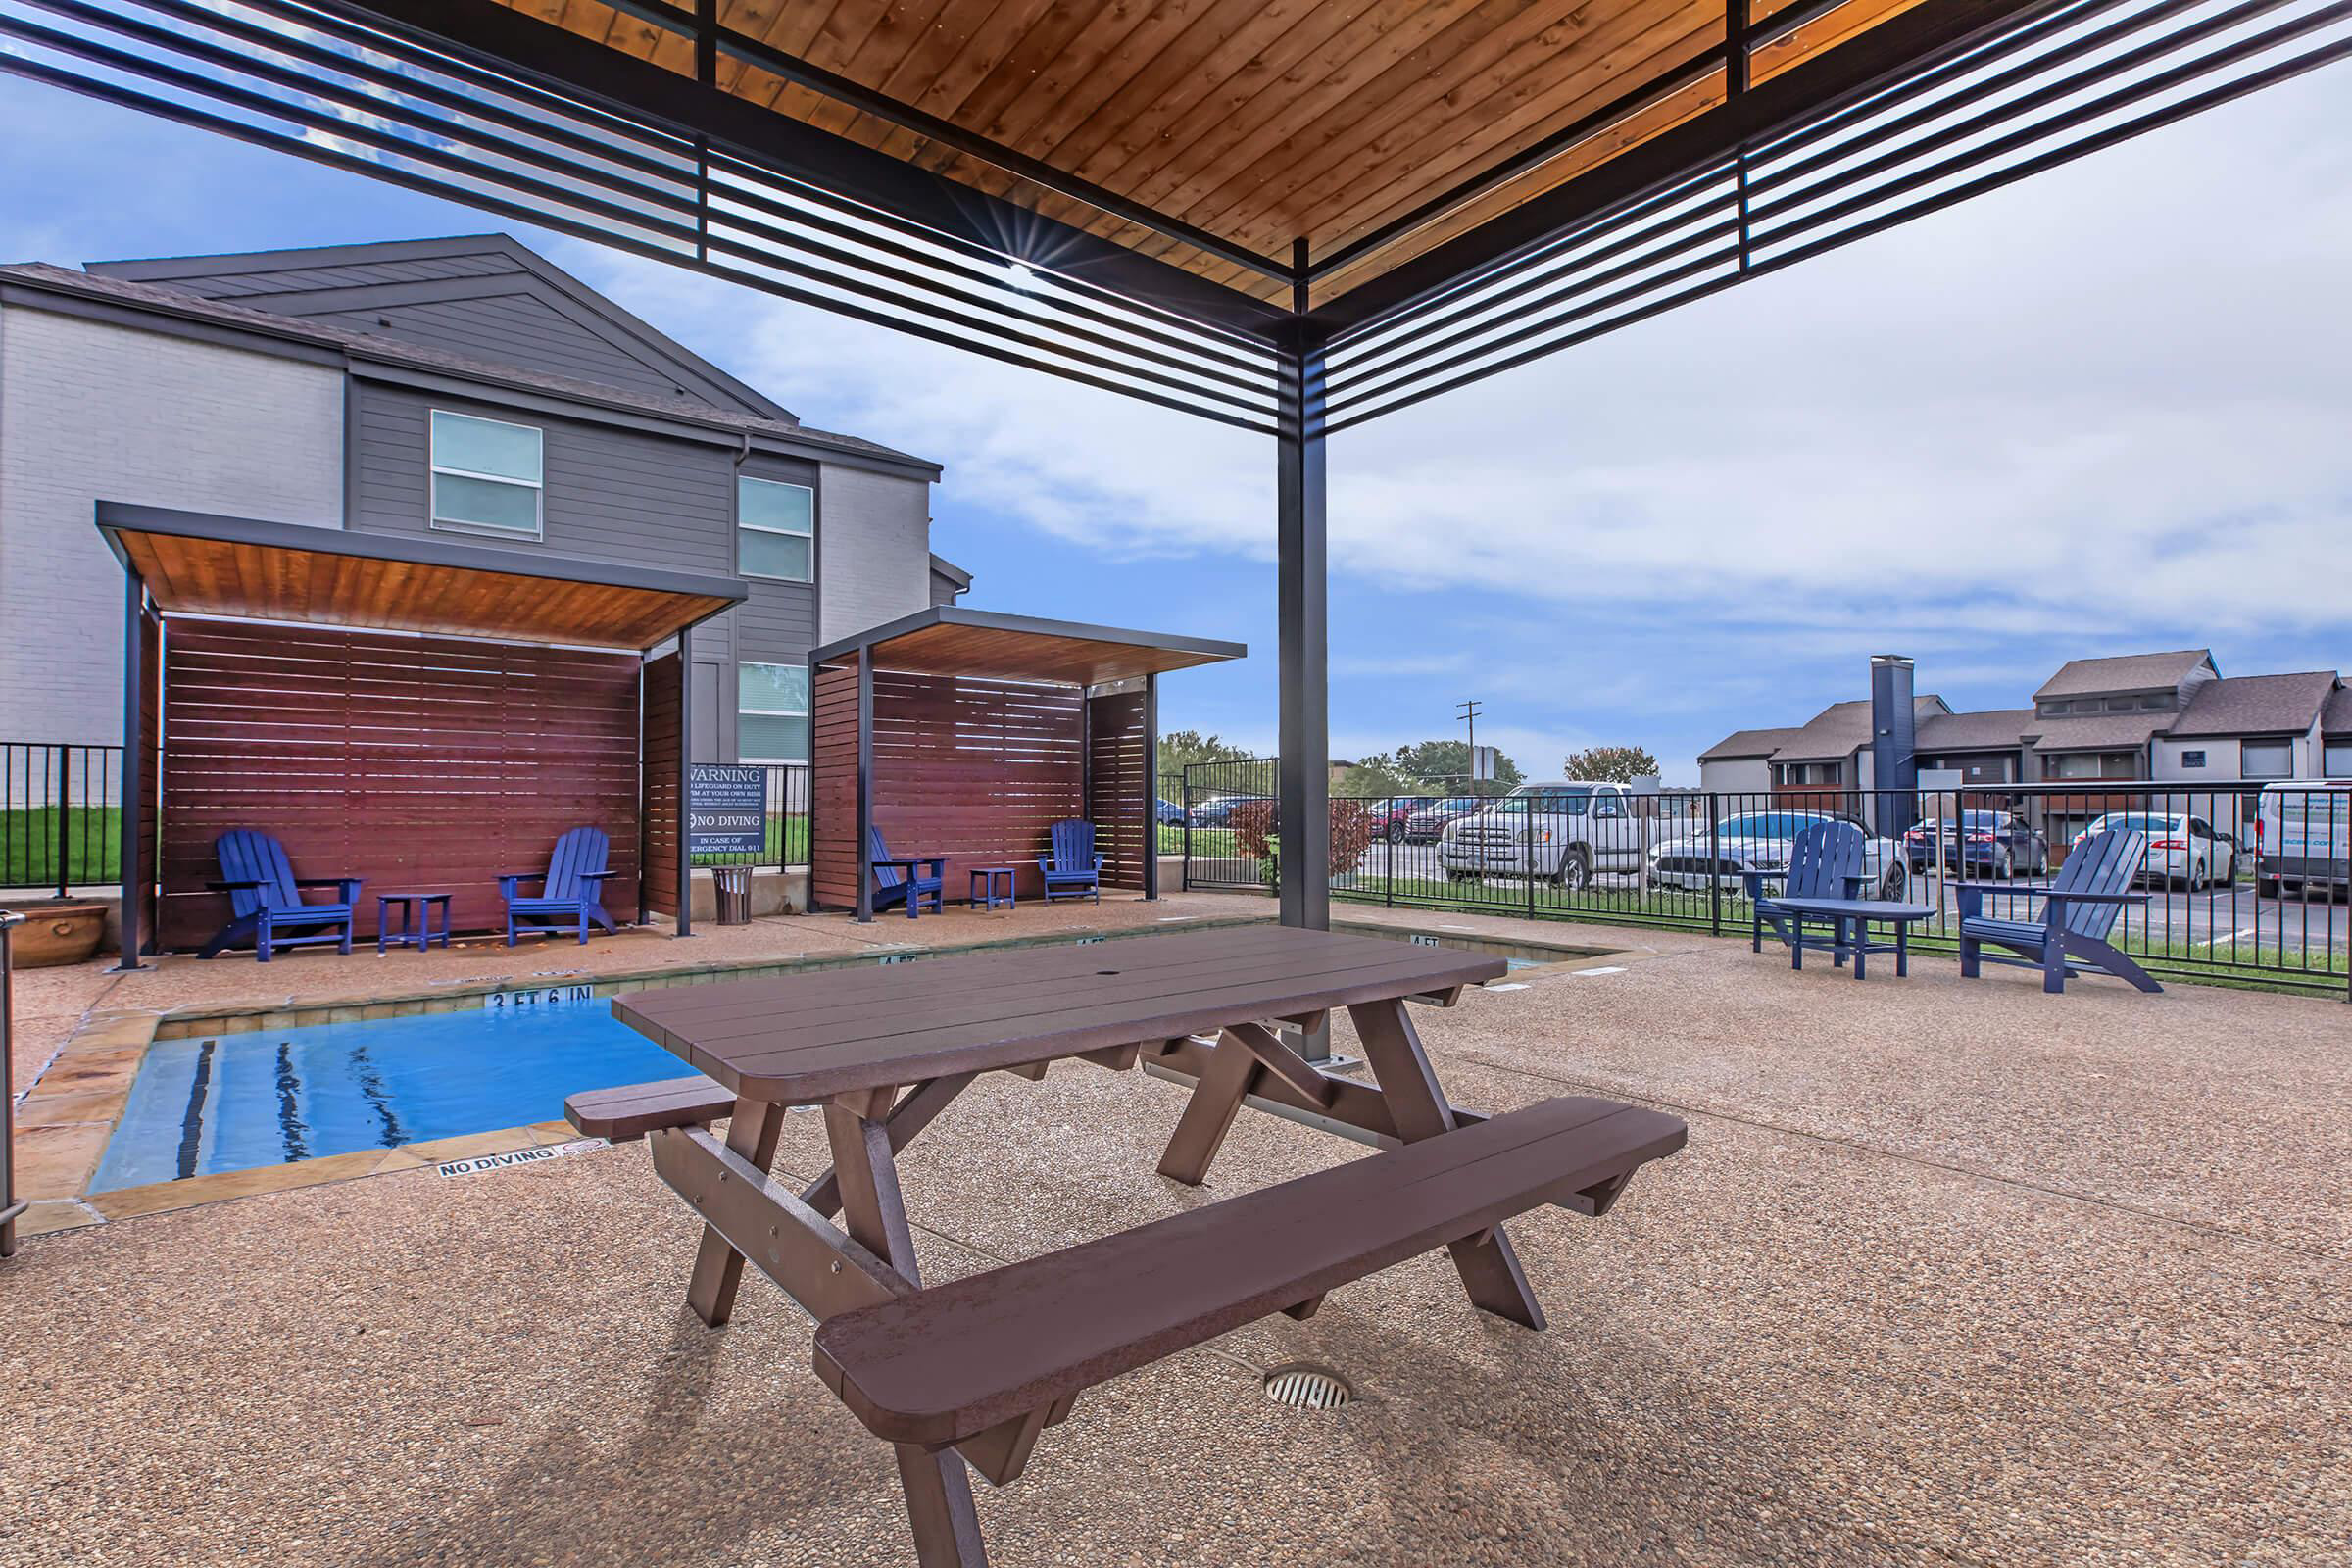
x,y
973,1371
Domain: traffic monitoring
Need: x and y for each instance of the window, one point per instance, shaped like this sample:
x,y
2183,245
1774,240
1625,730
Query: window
x,y
771,712
2339,759
1810,773
2265,760
2092,764
775,530
2049,709
486,474
2193,758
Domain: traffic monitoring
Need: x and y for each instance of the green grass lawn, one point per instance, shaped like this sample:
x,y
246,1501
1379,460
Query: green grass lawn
x,y
29,845
1209,843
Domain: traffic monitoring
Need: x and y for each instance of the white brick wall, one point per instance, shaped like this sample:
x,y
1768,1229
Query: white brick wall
x,y
91,412
877,550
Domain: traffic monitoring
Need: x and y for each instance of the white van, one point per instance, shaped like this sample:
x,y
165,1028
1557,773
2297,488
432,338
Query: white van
x,y
2303,835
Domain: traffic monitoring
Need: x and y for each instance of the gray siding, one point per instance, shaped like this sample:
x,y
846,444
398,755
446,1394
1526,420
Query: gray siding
x,y
520,329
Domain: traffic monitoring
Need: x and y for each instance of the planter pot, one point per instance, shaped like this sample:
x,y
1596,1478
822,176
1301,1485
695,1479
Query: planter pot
x,y
58,933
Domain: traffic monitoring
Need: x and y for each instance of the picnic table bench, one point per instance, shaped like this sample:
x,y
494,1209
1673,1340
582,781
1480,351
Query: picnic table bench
x,y
974,1370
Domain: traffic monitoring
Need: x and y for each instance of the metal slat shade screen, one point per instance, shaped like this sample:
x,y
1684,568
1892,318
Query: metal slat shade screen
x,y
311,82
2069,82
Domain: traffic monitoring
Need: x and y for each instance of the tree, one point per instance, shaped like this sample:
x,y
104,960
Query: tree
x,y
1443,768
1374,779
1181,748
1611,764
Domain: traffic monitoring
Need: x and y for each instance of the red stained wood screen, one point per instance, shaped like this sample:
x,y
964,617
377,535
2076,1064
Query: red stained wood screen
x,y
1119,785
833,790
665,718
412,762
149,741
976,770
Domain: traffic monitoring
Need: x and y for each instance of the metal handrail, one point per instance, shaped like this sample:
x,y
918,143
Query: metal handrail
x,y
9,1205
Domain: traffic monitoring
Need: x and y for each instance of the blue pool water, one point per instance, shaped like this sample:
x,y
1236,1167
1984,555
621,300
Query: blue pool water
x,y
266,1096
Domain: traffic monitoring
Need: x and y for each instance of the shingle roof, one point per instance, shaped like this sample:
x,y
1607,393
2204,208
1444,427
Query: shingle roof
x,y
2101,732
2338,720
1743,743
1834,733
2256,705
1990,730
390,351
2125,673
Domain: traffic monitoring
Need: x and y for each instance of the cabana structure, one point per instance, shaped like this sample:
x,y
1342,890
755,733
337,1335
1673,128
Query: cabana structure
x,y
1293,219
416,713
966,734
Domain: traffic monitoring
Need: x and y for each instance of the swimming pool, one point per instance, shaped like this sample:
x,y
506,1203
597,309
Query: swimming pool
x,y
268,1096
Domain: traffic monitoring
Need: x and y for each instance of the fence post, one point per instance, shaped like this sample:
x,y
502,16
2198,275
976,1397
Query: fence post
x,y
1388,847
1714,867
1185,879
64,833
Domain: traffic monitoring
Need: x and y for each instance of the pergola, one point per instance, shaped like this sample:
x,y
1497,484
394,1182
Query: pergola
x,y
1293,219
414,712
967,734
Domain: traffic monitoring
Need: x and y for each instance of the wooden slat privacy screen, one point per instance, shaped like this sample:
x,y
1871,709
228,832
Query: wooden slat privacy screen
x,y
149,741
976,770
412,762
833,790
1118,743
665,713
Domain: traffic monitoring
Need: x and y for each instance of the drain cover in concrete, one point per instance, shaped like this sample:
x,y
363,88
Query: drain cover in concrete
x,y
1306,1387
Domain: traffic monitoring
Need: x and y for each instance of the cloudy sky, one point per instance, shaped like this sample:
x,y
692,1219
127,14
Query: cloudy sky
x,y
2106,411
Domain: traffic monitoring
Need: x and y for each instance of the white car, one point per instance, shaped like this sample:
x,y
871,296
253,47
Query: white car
x,y
2181,848
1759,841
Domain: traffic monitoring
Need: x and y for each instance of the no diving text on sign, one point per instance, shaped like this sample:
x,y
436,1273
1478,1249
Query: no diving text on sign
x,y
726,809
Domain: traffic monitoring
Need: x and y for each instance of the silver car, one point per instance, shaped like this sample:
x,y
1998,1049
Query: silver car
x,y
1760,842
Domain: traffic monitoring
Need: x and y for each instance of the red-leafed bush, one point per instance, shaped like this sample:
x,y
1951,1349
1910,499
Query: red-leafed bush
x,y
1354,824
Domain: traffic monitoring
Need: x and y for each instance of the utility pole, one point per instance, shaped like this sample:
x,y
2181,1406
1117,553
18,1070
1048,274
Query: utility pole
x,y
1469,715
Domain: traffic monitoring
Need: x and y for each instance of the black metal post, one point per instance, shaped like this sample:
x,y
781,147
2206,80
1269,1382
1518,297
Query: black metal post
x,y
685,765
1152,787
10,1205
65,816
1714,864
134,770
1302,789
865,786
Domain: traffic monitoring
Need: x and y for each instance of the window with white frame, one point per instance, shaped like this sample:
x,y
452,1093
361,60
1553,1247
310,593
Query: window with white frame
x,y
2265,760
771,712
2338,760
487,475
775,530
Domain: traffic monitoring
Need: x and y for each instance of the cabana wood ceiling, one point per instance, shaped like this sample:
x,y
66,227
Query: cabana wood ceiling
x,y
324,577
1259,121
948,640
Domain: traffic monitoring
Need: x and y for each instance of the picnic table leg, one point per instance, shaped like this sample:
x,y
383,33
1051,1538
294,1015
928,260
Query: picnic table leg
x,y
1488,1268
1208,1115
938,1486
752,1132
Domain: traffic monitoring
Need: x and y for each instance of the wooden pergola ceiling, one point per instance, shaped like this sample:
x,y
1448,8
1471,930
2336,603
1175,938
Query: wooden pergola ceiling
x,y
195,563
1257,121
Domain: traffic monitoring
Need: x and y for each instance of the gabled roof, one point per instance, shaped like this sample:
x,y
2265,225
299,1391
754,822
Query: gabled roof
x,y
2337,718
2257,704
364,346
1747,743
1989,730
2125,673
1841,730
409,289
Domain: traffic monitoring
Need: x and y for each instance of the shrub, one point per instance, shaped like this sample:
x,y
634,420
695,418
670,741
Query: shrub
x,y
1354,824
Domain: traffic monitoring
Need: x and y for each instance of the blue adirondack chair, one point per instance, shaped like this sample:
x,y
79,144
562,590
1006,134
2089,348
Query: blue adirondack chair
x,y
1072,869
903,880
1825,861
570,895
2079,909
265,899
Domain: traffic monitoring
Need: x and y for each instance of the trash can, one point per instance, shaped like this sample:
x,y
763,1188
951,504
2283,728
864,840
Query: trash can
x,y
734,884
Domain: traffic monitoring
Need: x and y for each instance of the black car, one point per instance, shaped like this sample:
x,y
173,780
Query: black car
x,y
1998,843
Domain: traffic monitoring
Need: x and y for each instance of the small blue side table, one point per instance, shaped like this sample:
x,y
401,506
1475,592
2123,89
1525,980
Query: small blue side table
x,y
983,886
415,920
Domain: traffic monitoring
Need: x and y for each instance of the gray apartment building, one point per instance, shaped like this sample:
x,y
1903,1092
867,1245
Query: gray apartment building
x,y
2170,717
464,386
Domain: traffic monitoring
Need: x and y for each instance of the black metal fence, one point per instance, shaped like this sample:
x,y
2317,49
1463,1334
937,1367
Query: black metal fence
x,y
60,815
2247,883
787,816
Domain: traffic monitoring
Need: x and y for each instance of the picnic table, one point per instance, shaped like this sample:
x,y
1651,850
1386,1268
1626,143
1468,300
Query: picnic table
x,y
974,1370
1849,923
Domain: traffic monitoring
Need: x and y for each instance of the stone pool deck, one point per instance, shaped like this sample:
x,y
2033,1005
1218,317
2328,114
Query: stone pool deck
x,y
1952,1273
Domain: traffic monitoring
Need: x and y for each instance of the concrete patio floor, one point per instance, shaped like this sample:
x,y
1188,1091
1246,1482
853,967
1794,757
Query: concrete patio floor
x,y
1950,1273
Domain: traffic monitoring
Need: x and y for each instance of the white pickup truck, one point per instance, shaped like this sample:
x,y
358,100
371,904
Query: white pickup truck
x,y
1564,830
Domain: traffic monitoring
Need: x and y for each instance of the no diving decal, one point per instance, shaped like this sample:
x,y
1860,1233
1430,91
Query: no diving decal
x,y
517,1156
